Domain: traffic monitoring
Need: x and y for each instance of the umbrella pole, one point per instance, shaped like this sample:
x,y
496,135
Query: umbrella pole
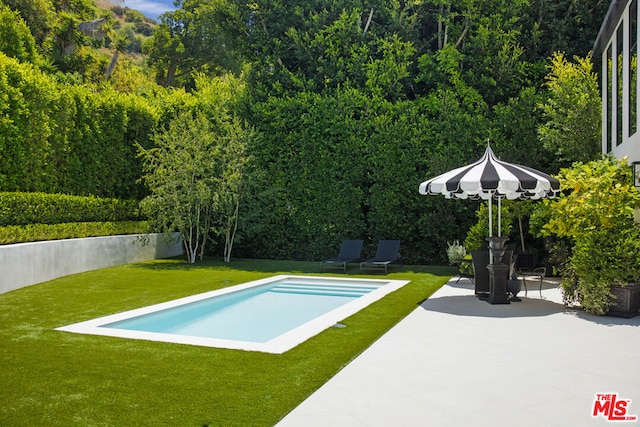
x,y
499,217
490,227
490,219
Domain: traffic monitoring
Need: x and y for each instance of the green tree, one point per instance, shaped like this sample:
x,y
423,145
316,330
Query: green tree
x,y
195,174
38,14
218,99
572,111
561,26
199,36
181,175
514,131
494,62
229,195
15,38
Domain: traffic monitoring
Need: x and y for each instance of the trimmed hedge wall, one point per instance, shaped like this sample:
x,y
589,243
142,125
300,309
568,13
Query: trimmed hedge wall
x,y
61,138
40,232
40,208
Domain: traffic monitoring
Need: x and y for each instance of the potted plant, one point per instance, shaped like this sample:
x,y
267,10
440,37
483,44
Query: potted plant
x,y
606,268
457,255
596,214
455,252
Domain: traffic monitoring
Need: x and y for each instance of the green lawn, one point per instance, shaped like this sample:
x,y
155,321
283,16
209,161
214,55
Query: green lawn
x,y
49,377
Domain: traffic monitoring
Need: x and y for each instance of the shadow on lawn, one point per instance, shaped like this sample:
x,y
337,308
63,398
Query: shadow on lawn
x,y
252,265
280,266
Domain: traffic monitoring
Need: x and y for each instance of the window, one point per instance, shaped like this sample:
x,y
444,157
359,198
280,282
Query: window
x,y
619,82
632,54
609,99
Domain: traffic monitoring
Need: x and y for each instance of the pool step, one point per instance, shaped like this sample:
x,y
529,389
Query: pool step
x,y
326,290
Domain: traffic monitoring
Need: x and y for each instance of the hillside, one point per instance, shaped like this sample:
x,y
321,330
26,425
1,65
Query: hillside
x,y
150,9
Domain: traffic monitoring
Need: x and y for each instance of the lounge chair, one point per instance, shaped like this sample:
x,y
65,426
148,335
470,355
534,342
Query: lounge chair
x,y
349,252
388,251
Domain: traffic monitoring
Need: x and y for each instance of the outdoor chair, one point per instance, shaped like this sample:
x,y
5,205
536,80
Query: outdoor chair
x,y
388,251
527,268
508,259
480,261
536,273
526,262
349,252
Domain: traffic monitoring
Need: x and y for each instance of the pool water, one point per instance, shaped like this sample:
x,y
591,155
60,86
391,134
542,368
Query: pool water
x,y
271,315
257,315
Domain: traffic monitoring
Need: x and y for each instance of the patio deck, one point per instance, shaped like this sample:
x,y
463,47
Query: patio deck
x,y
457,360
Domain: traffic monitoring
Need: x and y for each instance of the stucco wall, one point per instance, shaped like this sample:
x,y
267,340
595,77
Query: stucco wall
x,y
26,264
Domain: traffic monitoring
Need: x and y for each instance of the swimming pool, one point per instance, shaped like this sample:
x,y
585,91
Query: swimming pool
x,y
270,315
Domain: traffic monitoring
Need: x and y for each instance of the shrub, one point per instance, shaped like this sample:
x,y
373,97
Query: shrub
x,y
455,251
596,214
476,238
41,208
41,232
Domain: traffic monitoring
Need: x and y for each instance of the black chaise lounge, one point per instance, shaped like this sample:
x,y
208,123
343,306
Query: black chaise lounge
x,y
388,252
349,252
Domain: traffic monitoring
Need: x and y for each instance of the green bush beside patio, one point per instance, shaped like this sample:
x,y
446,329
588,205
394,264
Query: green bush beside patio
x,y
55,378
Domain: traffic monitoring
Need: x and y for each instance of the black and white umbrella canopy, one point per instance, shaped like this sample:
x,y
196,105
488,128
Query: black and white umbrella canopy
x,y
490,178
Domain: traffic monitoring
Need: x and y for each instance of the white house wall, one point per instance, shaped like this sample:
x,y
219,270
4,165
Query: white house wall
x,y
629,148
630,144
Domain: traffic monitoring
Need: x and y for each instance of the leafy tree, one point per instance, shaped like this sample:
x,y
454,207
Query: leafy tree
x,y
227,199
64,43
38,14
199,36
180,173
514,131
195,175
567,26
602,196
83,9
572,111
15,38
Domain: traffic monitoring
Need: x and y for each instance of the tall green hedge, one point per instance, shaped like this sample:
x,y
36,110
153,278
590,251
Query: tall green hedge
x,y
61,138
348,165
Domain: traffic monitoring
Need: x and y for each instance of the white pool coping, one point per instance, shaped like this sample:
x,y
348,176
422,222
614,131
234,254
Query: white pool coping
x,y
277,345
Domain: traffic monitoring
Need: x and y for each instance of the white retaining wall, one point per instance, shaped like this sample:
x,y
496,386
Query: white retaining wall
x,y
25,264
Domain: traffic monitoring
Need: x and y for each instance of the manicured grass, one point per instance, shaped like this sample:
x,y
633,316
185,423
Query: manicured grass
x,y
49,377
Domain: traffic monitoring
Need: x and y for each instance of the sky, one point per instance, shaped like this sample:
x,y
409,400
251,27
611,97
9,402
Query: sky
x,y
150,8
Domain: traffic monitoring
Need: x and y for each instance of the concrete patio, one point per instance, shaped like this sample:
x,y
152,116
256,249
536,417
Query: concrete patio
x,y
459,361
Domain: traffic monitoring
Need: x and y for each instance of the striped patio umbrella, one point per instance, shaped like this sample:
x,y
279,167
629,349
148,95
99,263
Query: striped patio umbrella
x,y
490,178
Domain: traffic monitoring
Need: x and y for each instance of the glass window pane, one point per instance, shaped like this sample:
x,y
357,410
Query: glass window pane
x,y
633,68
619,78
609,100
